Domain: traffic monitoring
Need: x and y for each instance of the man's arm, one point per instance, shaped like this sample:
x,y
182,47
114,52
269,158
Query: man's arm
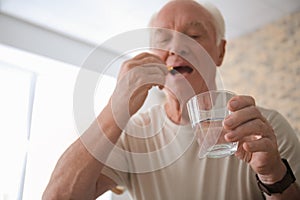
x,y
77,173
259,146
291,192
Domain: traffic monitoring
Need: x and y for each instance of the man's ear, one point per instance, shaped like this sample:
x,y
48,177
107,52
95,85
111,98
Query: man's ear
x,y
221,52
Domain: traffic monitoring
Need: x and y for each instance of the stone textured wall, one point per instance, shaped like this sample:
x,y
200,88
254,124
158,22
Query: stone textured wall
x,y
266,65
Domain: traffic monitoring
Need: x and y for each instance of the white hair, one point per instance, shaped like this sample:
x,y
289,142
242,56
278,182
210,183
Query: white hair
x,y
218,20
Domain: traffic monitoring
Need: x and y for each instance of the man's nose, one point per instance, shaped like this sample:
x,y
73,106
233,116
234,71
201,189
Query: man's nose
x,y
178,46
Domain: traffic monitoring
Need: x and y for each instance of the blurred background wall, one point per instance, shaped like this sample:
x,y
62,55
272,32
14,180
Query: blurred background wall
x,y
266,65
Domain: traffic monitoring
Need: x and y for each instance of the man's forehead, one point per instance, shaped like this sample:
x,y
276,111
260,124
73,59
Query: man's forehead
x,y
184,7
185,25
192,15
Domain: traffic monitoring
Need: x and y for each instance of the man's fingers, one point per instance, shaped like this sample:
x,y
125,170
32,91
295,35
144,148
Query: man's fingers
x,y
247,147
144,62
239,102
253,127
259,145
242,116
146,54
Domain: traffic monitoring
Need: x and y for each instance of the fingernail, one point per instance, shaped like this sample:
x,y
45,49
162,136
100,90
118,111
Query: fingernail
x,y
228,122
229,136
234,104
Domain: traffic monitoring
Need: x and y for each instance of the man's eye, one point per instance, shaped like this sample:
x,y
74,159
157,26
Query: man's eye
x,y
165,40
162,39
195,36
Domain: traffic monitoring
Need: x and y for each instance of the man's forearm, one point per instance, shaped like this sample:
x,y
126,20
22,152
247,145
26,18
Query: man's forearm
x,y
76,173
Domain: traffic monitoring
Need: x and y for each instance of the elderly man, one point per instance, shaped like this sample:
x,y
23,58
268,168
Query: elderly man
x,y
265,165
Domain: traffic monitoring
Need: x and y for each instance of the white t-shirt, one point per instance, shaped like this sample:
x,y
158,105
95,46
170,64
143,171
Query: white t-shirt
x,y
156,159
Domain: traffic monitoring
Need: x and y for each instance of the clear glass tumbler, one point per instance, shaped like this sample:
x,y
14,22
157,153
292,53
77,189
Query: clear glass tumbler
x,y
207,112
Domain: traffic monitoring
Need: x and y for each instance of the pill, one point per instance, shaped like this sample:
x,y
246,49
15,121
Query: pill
x,y
170,68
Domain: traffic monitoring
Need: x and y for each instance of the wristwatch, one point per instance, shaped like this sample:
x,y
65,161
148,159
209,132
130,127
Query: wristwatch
x,y
279,186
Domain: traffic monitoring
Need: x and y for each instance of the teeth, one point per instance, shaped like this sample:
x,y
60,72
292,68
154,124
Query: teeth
x,y
170,68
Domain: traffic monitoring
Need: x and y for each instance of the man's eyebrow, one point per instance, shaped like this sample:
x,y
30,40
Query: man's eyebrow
x,y
202,26
198,25
164,31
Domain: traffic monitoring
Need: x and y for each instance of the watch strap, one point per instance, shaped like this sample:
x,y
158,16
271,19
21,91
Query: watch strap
x,y
279,186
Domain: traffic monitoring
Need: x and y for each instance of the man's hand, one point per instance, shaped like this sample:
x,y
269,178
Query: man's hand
x,y
257,141
137,76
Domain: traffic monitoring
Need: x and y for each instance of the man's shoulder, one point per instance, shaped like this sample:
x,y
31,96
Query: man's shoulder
x,y
269,114
279,123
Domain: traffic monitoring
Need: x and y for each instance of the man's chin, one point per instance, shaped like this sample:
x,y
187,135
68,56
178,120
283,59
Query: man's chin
x,y
181,94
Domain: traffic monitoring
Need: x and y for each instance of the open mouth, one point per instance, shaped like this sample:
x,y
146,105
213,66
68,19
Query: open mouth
x,y
182,70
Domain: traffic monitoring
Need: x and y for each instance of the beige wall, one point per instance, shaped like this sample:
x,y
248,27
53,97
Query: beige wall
x,y
266,65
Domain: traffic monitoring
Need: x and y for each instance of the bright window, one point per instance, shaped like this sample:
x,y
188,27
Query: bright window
x,y
37,123
17,90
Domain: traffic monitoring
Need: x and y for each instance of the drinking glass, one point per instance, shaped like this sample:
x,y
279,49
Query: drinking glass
x,y
207,112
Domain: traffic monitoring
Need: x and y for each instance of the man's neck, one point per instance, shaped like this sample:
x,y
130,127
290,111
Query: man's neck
x,y
176,112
